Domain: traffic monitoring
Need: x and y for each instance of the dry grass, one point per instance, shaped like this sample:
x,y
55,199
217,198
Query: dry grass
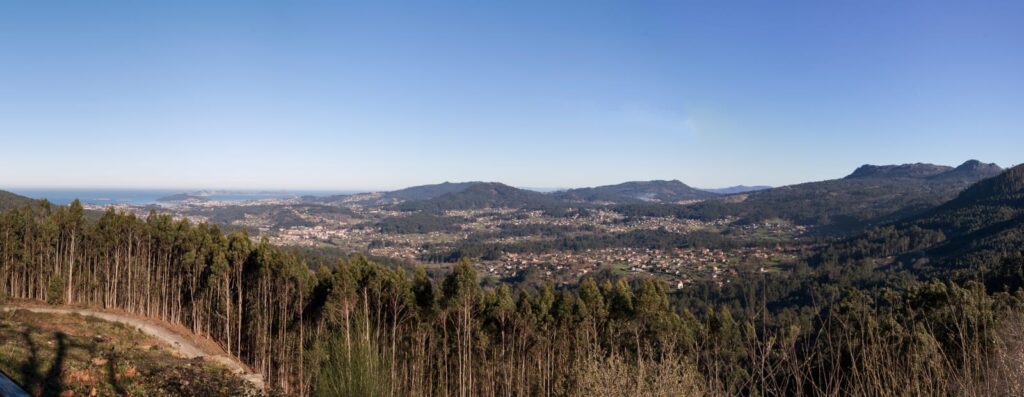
x,y
53,354
615,375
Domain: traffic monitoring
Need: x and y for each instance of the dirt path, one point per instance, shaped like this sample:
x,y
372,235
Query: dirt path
x,y
179,343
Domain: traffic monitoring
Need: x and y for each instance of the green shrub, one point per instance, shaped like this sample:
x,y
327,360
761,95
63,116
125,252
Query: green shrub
x,y
55,294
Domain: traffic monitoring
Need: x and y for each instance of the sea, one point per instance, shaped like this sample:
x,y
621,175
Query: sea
x,y
101,197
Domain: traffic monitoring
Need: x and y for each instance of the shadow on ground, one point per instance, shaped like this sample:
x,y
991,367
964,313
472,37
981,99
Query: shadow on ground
x,y
48,382
36,382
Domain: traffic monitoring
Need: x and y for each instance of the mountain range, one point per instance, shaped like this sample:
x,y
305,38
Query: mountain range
x,y
468,195
870,195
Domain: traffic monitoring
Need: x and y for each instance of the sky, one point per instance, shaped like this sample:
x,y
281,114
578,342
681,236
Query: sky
x,y
382,95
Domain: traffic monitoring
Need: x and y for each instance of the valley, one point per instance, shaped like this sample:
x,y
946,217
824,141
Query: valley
x,y
276,282
664,229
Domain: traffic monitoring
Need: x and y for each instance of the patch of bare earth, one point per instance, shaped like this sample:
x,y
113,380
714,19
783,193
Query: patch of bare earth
x,y
52,353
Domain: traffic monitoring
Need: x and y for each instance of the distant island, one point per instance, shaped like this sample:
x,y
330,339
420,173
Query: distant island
x,y
208,195
181,197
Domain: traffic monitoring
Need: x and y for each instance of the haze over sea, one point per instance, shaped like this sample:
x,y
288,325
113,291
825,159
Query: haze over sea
x,y
63,196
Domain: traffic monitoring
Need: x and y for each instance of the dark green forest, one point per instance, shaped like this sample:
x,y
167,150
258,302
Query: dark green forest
x,y
870,196
661,191
927,305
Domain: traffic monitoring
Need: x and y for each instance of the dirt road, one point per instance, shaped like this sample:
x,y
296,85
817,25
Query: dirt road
x,y
178,342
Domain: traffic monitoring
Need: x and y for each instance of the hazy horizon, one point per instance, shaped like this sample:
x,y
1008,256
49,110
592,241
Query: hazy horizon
x,y
357,190
16,189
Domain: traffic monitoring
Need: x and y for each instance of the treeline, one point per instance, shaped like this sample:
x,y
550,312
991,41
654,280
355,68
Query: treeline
x,y
361,328
249,298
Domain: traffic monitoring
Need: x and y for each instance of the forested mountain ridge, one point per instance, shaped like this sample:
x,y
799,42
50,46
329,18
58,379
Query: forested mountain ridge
x,y
414,193
946,281
637,191
915,170
10,200
970,169
992,200
427,192
966,237
483,195
871,195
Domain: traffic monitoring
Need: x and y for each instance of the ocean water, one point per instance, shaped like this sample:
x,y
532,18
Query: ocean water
x,y
150,196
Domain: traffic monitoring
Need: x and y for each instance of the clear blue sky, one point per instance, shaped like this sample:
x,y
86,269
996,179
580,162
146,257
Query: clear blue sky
x,y
311,95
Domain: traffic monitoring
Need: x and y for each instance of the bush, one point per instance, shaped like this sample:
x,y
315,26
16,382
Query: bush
x,y
55,294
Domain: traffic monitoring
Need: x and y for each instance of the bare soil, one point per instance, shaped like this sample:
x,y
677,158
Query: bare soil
x,y
176,338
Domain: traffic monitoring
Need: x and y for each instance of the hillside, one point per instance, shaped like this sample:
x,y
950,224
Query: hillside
x,y
414,193
427,192
639,191
967,236
483,195
10,200
983,225
871,195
